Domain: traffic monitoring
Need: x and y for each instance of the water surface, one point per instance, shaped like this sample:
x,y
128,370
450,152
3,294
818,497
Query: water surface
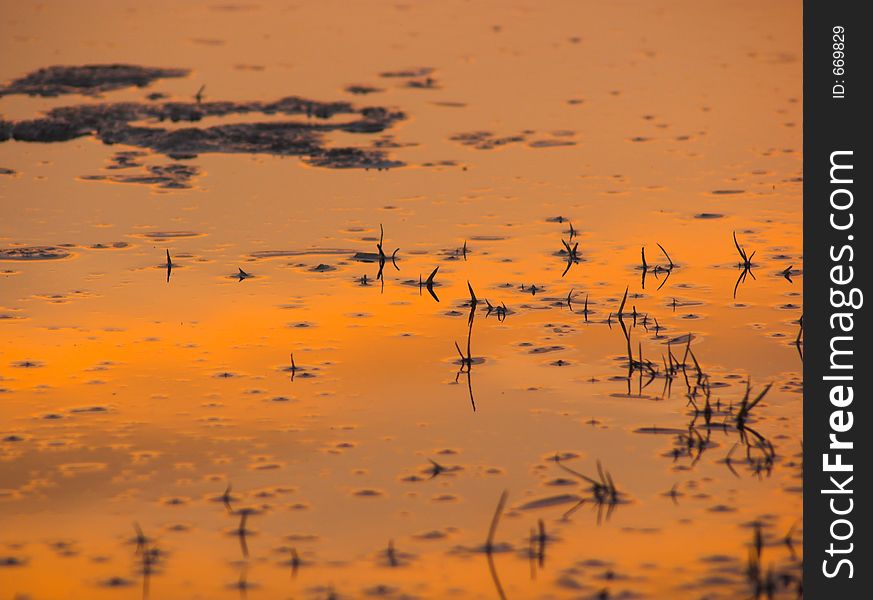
x,y
133,398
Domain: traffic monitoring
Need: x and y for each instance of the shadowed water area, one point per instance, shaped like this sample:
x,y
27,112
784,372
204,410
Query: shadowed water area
x,y
385,300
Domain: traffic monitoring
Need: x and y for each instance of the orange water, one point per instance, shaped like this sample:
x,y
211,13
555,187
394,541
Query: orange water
x,y
186,374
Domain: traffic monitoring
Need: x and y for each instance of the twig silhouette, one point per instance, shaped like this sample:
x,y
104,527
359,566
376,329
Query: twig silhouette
x,y
428,283
391,554
293,367
572,255
746,264
170,266
383,258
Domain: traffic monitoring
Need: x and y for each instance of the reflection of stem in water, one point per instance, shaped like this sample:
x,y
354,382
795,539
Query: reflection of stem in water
x,y
469,375
494,577
489,544
295,562
243,584
148,554
242,532
669,272
145,582
742,278
531,553
149,558
467,361
789,541
760,453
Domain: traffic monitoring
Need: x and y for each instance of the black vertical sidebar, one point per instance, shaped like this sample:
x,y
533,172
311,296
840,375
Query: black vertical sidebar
x,y
836,256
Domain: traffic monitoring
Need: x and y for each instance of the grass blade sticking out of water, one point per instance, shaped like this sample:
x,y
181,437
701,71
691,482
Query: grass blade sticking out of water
x,y
644,268
474,302
429,283
140,540
667,256
500,310
630,358
170,266
495,521
383,258
603,490
740,250
294,562
467,361
572,255
391,554
746,406
226,497
436,468
746,264
798,342
293,367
